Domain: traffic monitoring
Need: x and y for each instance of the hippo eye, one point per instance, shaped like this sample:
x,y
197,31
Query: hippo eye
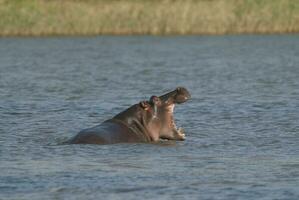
x,y
155,99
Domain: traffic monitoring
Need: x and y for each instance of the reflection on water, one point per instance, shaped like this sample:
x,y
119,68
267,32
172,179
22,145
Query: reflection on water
x,y
241,124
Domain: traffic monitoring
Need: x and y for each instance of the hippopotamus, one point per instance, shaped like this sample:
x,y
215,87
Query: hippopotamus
x,y
146,121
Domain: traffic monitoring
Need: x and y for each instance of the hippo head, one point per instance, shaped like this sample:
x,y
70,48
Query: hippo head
x,y
160,122
169,129
154,118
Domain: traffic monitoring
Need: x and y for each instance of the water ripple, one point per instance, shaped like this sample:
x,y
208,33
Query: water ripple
x,y
241,124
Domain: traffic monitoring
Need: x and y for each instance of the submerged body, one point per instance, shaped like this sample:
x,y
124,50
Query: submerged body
x,y
147,121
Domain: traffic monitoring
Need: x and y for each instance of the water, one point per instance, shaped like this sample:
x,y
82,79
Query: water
x,y
242,124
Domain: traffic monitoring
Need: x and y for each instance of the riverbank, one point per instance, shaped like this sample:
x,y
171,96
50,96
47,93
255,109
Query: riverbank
x,y
90,17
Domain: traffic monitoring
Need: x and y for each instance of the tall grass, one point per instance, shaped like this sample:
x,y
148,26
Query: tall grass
x,y
91,17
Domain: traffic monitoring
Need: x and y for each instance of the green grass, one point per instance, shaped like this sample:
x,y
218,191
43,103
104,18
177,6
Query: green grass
x,y
92,17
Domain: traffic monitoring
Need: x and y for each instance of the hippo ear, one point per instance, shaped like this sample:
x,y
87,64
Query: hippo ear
x,y
144,104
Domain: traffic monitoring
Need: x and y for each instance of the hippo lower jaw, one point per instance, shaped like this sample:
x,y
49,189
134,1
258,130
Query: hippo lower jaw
x,y
170,109
177,132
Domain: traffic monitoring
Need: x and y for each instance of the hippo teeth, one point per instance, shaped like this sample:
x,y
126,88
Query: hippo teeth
x,y
170,110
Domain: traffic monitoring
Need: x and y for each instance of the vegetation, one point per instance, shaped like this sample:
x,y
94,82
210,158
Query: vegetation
x,y
93,17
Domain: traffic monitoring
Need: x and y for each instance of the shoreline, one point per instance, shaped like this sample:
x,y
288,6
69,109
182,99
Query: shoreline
x,y
147,35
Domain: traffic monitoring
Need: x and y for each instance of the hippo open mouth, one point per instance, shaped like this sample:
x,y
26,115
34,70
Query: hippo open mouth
x,y
178,96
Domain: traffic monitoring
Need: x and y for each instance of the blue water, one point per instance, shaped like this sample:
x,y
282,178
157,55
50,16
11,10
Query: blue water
x,y
242,124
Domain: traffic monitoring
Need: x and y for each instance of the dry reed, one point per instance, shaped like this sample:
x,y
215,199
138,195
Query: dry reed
x,y
90,17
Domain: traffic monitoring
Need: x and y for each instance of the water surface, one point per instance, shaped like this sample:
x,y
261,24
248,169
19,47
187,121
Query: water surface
x,y
242,123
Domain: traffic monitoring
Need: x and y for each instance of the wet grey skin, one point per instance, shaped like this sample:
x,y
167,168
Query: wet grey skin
x,y
147,121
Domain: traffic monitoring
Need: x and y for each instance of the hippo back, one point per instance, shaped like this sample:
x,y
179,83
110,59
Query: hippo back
x,y
108,132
